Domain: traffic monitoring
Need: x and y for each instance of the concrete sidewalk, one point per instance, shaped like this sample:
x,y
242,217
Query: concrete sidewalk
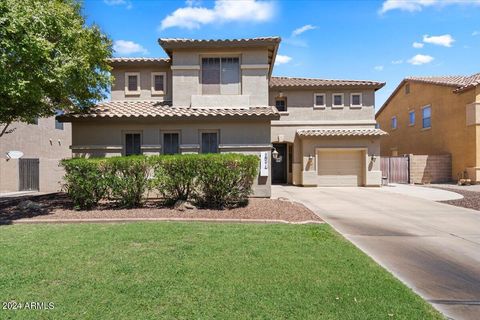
x,y
433,248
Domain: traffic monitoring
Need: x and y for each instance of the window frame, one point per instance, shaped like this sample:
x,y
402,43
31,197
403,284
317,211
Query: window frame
x,y
221,56
351,100
124,141
396,123
410,123
201,132
286,105
338,106
318,106
152,81
428,106
162,137
58,125
127,91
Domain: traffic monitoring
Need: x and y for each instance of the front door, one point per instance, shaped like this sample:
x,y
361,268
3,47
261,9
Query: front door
x,y
279,165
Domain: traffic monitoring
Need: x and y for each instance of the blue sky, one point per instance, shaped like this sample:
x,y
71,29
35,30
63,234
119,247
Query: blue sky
x,y
371,40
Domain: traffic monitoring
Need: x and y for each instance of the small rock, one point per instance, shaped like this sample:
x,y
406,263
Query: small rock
x,y
284,199
28,205
189,206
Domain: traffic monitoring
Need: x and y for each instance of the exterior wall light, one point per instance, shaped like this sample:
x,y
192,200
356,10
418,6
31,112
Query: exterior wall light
x,y
275,154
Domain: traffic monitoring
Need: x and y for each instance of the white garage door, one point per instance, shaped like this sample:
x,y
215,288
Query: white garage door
x,y
339,168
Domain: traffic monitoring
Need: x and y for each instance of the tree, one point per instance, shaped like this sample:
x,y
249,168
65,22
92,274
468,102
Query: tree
x,y
49,60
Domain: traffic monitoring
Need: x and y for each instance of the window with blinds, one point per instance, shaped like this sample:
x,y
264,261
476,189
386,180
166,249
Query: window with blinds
x,y
171,143
133,144
220,76
209,142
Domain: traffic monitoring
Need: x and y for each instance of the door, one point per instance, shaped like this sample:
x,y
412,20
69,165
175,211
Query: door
x,y
28,174
339,168
279,165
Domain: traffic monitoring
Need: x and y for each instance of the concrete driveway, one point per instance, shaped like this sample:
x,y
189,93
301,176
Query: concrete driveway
x,y
432,247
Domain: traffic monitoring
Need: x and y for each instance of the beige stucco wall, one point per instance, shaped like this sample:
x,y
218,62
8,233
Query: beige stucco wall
x,y
105,138
145,71
186,73
449,132
40,141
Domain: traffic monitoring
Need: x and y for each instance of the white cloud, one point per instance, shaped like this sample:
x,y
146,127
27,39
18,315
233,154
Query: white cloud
x,y
418,5
378,68
193,17
445,40
128,47
126,3
417,45
397,61
301,30
475,33
420,59
281,59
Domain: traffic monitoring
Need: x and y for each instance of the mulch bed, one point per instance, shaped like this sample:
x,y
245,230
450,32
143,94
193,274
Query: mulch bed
x,y
58,206
471,199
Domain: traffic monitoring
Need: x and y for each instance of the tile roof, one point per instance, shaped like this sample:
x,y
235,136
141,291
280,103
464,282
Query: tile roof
x,y
313,82
340,132
175,41
138,59
460,82
155,109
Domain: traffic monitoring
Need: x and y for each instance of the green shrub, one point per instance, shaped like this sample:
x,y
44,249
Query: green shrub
x,y
225,180
175,176
85,182
127,179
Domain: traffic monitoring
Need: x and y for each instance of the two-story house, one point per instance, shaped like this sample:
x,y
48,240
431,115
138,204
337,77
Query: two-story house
x,y
219,96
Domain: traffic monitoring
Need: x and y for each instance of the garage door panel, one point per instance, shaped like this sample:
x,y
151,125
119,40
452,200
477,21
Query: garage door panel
x,y
339,168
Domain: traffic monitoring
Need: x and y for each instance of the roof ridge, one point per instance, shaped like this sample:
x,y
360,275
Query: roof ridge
x,y
324,79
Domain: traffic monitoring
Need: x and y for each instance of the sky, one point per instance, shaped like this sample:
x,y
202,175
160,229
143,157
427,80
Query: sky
x,y
385,40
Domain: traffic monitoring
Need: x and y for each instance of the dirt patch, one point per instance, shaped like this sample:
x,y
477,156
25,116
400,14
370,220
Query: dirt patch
x,y
471,199
58,206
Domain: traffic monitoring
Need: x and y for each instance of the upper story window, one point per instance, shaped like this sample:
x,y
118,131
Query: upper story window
x,y
411,117
220,76
281,104
337,100
426,117
58,124
407,88
133,144
132,83
356,100
319,100
394,122
158,82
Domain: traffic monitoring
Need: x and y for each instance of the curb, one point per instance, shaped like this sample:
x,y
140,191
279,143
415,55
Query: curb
x,y
120,220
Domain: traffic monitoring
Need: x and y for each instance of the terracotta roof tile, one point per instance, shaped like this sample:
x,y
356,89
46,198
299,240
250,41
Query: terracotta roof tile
x,y
138,59
313,82
340,132
168,41
156,109
460,82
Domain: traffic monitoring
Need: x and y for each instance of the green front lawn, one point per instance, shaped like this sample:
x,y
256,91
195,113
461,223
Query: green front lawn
x,y
197,271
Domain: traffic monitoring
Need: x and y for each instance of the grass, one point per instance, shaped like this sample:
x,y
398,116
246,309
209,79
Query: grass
x,y
196,271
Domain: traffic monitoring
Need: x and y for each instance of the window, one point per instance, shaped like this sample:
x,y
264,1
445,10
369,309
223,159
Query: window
x,y
158,82
281,104
133,144
209,142
171,143
319,100
356,99
338,99
407,88
426,117
394,122
132,83
220,76
411,118
58,124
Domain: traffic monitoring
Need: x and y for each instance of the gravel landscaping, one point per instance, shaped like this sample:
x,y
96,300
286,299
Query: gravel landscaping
x,y
471,199
58,206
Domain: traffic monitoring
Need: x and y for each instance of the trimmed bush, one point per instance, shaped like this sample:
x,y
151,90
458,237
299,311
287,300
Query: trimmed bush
x,y
85,182
127,179
175,176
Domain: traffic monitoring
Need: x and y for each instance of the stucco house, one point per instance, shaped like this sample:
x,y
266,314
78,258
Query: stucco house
x,y
435,116
220,96
42,145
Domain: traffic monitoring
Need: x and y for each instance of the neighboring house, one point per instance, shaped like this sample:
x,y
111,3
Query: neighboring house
x,y
219,96
43,144
435,116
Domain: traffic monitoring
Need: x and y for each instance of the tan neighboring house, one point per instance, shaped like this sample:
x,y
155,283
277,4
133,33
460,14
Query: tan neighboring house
x,y
42,144
435,116
219,96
